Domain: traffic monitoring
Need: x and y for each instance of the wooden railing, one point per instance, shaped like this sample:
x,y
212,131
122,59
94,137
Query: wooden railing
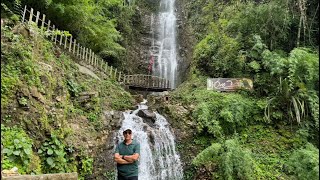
x,y
146,81
88,56
70,44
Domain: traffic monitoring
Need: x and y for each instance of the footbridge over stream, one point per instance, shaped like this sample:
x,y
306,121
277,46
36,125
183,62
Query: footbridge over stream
x,y
146,83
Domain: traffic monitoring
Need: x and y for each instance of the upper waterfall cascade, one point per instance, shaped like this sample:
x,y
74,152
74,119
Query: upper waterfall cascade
x,y
158,157
163,49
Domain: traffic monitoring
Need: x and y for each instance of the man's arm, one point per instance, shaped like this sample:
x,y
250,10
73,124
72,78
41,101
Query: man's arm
x,y
131,158
119,160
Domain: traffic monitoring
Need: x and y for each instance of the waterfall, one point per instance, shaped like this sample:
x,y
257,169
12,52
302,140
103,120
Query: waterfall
x,y
158,157
163,49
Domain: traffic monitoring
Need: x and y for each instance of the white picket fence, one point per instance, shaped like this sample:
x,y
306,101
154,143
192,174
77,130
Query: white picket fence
x,y
71,45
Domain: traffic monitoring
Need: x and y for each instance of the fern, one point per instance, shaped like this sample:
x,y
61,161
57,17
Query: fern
x,y
232,160
209,155
304,163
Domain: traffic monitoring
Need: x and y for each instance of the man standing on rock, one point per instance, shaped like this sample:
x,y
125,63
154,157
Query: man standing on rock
x,y
127,155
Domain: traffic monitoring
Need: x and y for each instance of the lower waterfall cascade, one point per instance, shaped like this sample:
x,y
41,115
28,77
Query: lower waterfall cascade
x,y
158,157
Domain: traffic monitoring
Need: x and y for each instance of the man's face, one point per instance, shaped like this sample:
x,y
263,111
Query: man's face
x,y
127,134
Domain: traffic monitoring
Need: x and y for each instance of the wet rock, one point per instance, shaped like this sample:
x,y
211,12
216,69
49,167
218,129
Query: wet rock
x,y
148,116
145,113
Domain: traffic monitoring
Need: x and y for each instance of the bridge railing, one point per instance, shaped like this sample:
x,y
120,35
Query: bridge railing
x,y
146,81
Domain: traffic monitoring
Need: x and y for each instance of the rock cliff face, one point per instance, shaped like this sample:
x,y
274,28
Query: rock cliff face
x,y
137,49
185,40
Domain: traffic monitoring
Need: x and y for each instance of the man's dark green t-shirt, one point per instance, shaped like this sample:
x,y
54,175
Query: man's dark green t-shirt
x,y
128,170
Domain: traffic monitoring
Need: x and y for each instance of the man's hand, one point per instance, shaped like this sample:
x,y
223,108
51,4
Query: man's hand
x,y
119,160
131,158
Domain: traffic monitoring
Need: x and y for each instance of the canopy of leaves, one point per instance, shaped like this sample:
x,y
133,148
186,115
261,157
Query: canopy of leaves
x,y
98,25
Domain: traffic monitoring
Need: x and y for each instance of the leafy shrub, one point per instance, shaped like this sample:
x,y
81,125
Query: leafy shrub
x,y
225,114
17,149
209,155
304,163
73,87
53,156
110,174
216,55
86,166
237,162
297,76
233,161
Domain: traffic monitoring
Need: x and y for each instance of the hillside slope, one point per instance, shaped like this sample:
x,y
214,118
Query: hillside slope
x,y
53,117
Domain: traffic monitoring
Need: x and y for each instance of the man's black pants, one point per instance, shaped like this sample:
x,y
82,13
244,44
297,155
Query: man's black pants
x,y
127,178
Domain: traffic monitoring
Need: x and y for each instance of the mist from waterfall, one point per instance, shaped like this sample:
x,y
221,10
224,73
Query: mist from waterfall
x,y
163,49
158,157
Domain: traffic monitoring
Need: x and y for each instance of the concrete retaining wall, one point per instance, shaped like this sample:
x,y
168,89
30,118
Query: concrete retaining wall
x,y
62,176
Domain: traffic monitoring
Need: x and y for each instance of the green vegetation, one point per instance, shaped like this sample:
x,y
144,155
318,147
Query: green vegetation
x,y
268,130
107,27
53,156
42,95
271,132
304,163
235,161
17,149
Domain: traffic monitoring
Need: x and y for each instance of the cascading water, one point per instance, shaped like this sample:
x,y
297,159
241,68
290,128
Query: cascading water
x,y
163,49
158,157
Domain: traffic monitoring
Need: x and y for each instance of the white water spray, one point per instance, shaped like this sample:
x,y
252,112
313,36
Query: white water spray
x,y
158,157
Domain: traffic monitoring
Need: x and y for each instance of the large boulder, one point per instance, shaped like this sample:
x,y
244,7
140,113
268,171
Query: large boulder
x,y
148,116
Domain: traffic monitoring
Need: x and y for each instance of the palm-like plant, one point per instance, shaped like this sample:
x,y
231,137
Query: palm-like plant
x,y
289,100
298,76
